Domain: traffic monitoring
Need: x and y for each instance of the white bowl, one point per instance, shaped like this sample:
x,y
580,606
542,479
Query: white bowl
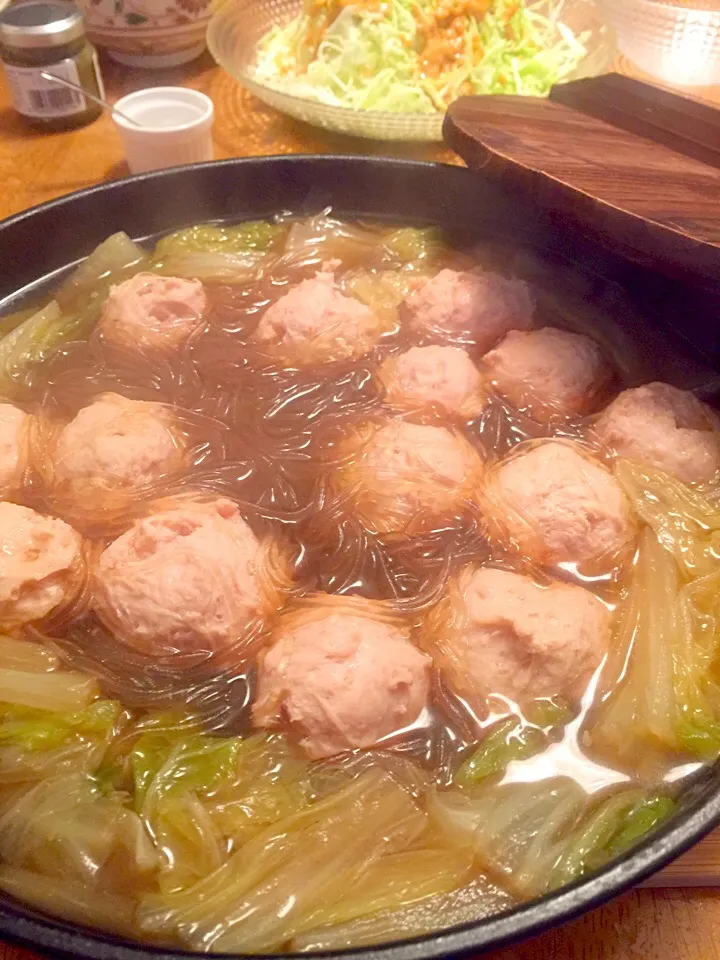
x,y
148,33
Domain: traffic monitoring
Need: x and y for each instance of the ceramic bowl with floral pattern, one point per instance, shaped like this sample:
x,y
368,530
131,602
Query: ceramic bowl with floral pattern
x,y
148,33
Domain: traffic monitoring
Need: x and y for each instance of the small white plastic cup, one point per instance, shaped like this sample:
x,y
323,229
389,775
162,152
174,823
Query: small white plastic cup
x,y
175,128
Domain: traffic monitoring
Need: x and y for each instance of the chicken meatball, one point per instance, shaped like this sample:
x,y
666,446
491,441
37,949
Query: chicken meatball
x,y
555,504
404,477
117,444
341,673
470,305
314,322
667,428
434,376
149,312
548,372
498,632
13,447
42,565
190,579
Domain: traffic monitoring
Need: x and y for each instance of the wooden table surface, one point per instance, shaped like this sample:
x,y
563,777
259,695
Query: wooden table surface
x,y
647,924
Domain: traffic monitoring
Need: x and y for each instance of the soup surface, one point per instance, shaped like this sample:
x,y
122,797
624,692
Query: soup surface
x,y
352,584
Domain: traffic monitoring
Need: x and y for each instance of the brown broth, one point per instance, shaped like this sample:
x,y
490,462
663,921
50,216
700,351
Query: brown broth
x,y
260,435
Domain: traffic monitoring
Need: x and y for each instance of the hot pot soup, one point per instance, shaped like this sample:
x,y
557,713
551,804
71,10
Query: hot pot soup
x,y
352,584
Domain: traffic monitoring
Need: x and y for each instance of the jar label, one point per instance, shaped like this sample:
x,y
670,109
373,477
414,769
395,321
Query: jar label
x,y
34,96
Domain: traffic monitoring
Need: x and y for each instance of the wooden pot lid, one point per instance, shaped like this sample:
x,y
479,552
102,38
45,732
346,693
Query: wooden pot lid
x,y
635,166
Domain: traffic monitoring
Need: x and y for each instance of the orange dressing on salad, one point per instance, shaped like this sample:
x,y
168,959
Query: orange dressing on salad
x,y
442,34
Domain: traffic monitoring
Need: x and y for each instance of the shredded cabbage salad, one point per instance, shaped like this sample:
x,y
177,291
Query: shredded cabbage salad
x,y
416,56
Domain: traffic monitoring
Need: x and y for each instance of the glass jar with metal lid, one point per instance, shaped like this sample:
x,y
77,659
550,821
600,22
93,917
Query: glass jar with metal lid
x,y
48,36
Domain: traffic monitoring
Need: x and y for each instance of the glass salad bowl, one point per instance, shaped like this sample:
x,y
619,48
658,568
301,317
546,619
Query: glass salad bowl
x,y
238,25
677,43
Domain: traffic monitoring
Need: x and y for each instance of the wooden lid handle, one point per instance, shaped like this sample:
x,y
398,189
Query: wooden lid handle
x,y
635,166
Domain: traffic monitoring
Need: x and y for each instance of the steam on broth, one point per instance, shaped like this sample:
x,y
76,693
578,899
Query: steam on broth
x,y
354,584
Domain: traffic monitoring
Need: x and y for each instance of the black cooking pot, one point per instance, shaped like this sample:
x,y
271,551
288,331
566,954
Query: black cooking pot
x,y
37,246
